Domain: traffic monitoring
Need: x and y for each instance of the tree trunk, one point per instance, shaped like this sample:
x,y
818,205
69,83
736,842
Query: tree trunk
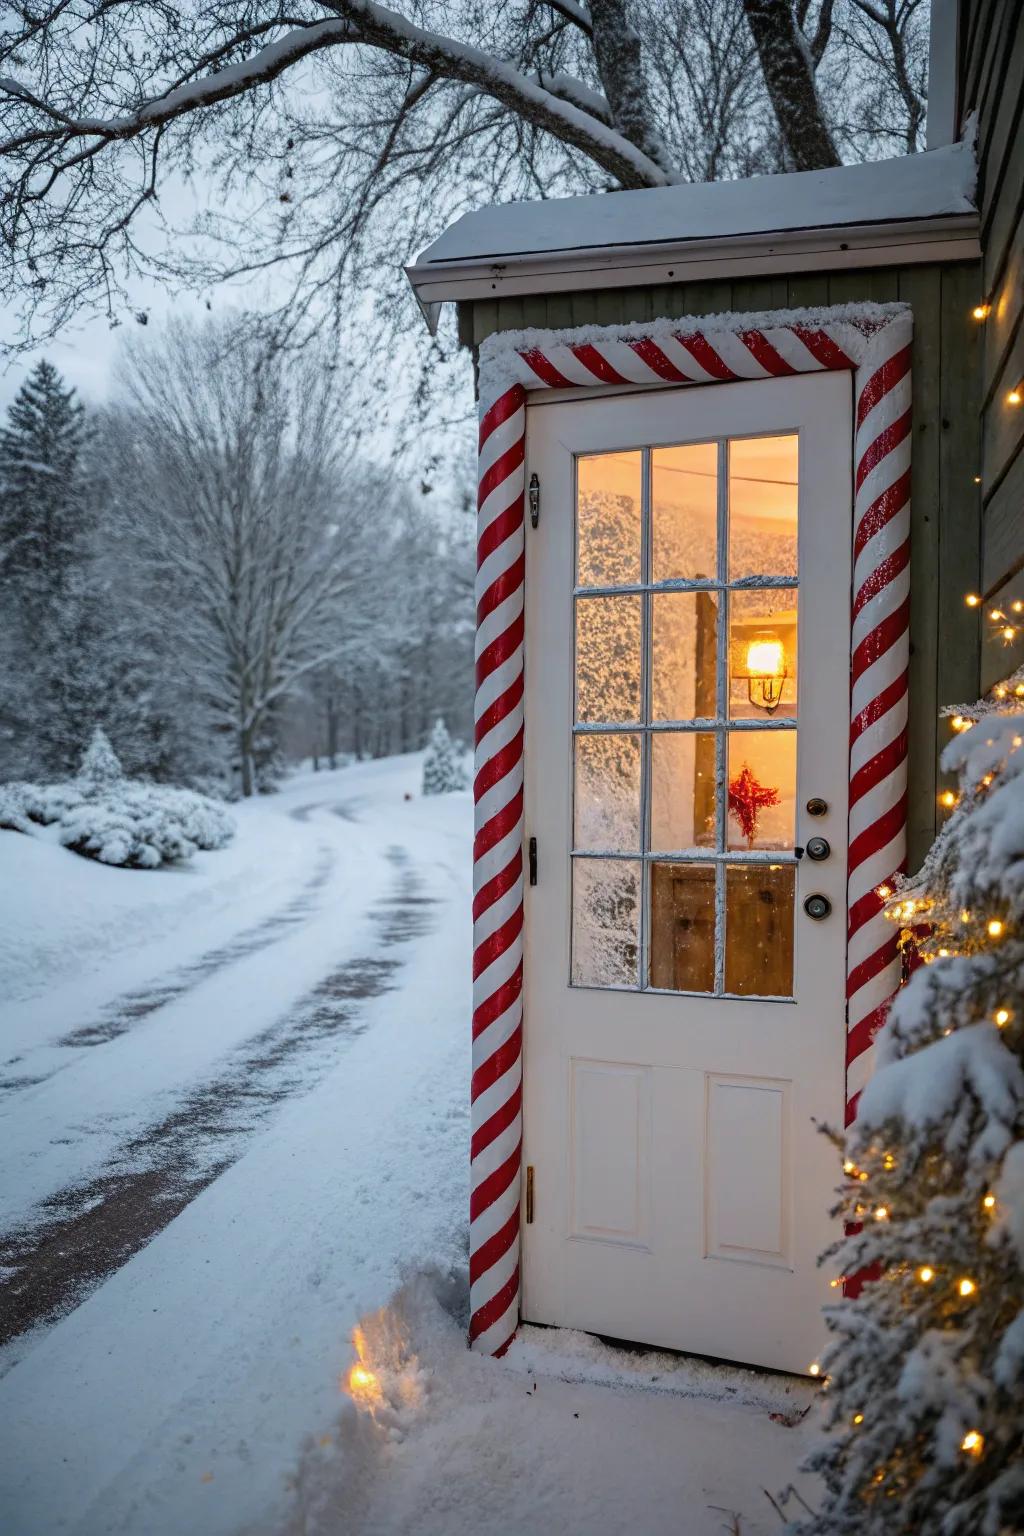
x,y
617,52
245,737
789,75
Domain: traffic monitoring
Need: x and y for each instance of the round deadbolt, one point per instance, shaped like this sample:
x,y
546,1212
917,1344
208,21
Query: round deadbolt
x,y
818,848
818,907
817,807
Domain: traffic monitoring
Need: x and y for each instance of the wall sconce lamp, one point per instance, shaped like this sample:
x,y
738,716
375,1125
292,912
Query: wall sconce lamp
x,y
766,671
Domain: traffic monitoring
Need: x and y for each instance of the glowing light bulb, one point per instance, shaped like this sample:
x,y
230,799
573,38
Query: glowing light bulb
x,y
849,1167
994,928
948,799
973,1442
1017,606
858,1418
967,1287
1002,1016
997,615
972,600
882,1213
999,691
981,311
1016,395
926,1274
814,1369
1008,633
989,1202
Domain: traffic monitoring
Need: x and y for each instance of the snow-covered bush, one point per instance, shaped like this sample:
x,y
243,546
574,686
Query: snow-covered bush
x,y
442,771
927,1368
105,816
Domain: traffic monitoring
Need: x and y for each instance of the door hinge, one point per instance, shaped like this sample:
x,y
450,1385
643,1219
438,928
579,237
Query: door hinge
x,y
529,1193
534,500
532,859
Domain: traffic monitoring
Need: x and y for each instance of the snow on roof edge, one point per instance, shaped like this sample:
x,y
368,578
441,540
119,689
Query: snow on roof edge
x,y
931,184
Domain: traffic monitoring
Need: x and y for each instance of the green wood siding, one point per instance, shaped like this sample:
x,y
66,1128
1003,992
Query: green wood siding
x,y
945,504
992,85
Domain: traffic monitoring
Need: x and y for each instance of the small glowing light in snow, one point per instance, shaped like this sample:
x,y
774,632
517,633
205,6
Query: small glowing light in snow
x,y
849,1167
361,1384
973,1441
926,1274
858,1418
948,799
814,1369
967,1287
1002,1016
972,600
882,1213
989,1202
999,691
943,954
995,928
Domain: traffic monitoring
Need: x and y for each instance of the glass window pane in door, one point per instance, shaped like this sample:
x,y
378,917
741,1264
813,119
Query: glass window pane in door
x,y
682,790
763,653
682,936
684,512
607,793
608,519
759,929
605,922
683,655
763,489
608,660
762,789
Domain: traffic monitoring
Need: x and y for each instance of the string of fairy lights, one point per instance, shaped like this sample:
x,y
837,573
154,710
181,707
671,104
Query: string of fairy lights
x,y
970,931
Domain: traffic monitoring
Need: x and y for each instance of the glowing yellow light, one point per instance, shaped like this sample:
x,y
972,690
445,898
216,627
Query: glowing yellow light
x,y
1016,395
814,1369
361,1384
943,954
1019,690
882,1213
858,1418
884,892
1018,740
765,656
999,691
926,1274
965,916
972,600
994,928
849,1167
1008,633
981,311
948,799
1002,1016
989,1202
997,615
973,1442
967,1287
1017,605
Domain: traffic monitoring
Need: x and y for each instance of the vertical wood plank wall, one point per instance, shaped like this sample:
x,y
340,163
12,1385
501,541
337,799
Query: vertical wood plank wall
x,y
992,85
945,505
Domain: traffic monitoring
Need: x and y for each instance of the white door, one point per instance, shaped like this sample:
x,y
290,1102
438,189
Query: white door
x,y
687,620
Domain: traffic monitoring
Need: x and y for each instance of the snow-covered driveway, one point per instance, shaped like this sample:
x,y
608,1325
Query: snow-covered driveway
x,y
234,1121
257,1077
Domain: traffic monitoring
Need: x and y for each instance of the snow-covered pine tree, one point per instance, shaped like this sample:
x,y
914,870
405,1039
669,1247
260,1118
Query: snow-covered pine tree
x,y
40,508
100,767
442,770
925,1375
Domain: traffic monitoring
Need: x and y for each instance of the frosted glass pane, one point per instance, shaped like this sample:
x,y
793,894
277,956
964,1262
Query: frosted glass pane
x,y
607,798
605,922
762,789
763,506
608,660
762,654
682,790
759,929
682,943
683,648
608,519
684,511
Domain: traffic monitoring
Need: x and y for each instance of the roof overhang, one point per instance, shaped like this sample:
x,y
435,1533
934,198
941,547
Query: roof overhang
x,y
919,208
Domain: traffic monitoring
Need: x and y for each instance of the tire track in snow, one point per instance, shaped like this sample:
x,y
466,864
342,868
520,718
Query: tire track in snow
x,y
84,1233
130,1008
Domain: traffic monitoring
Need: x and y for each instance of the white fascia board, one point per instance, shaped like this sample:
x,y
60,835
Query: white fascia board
x,y
946,238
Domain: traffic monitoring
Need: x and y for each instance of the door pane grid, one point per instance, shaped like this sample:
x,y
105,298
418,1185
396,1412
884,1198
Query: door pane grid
x,y
700,960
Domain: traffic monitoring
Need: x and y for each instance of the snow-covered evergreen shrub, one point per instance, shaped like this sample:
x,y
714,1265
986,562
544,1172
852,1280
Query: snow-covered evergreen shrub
x,y
100,767
442,771
927,1368
145,825
105,816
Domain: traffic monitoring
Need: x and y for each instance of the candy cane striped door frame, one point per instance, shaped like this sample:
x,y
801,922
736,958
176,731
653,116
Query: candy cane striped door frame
x,y
874,342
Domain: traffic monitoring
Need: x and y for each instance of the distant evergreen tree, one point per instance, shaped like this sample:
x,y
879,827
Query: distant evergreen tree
x,y
100,768
41,507
442,771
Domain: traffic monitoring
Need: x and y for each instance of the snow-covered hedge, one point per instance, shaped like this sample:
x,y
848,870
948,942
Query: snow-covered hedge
x,y
442,770
102,815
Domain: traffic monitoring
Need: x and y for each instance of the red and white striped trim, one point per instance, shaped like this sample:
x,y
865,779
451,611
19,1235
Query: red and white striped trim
x,y
874,342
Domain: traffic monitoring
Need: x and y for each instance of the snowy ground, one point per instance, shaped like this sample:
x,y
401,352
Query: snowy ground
x,y
233,1113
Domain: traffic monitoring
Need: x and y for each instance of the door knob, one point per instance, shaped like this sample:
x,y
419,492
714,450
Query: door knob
x,y
816,806
818,907
818,848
